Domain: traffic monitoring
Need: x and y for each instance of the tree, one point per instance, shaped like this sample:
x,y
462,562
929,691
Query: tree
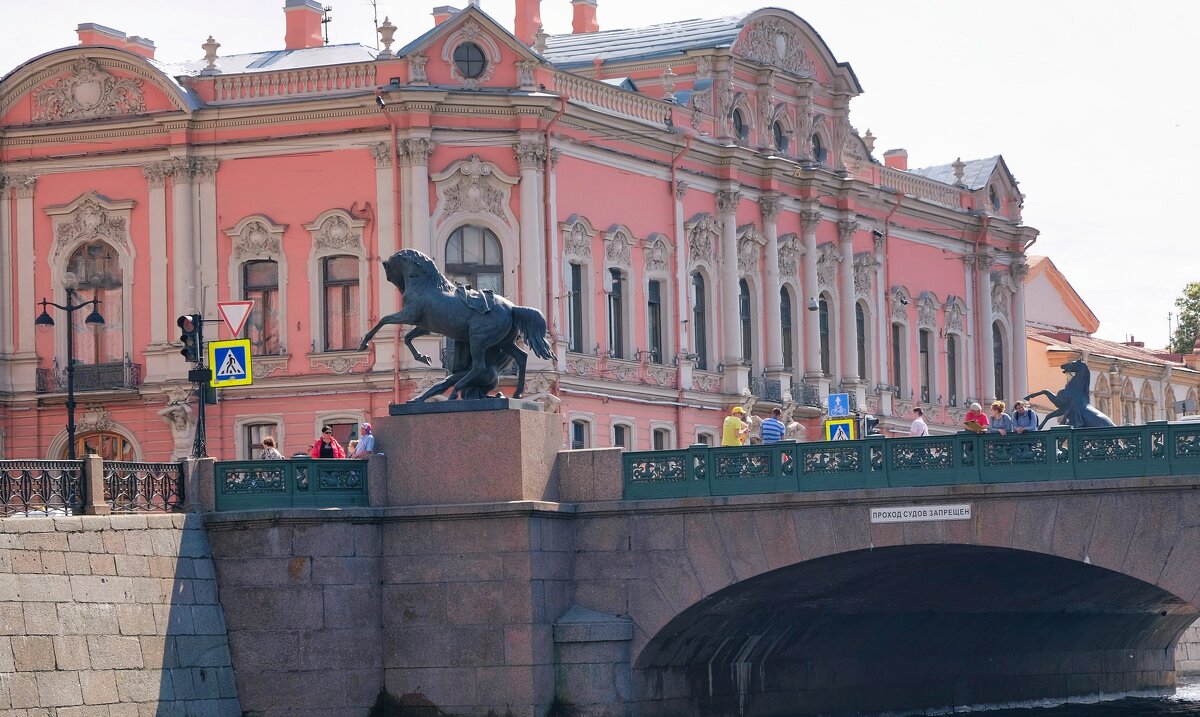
x,y
1188,328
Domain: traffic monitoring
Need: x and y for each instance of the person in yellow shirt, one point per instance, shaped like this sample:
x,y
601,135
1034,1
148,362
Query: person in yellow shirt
x,y
735,429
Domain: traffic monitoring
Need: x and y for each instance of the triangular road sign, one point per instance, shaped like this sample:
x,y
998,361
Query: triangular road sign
x,y
840,433
234,314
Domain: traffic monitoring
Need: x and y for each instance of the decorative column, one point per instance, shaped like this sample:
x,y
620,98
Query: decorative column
x,y
386,245
768,206
206,175
184,242
23,365
530,158
810,219
983,303
1020,270
971,381
737,376
848,332
159,359
684,338
7,336
554,311
882,339
417,152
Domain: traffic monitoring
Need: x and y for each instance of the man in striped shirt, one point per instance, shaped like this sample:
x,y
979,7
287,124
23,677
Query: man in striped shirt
x,y
772,428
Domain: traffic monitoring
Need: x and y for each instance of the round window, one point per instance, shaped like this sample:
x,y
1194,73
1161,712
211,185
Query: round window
x,y
469,59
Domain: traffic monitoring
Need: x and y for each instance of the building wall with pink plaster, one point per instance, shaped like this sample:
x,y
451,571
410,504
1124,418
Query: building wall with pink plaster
x,y
734,166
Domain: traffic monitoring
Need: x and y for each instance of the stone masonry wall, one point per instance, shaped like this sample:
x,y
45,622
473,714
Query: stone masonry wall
x,y
111,617
1187,651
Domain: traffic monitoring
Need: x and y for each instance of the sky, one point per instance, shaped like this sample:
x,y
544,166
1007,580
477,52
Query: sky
x,y
1093,105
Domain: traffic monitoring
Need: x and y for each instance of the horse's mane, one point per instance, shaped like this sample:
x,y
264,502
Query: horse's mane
x,y
426,265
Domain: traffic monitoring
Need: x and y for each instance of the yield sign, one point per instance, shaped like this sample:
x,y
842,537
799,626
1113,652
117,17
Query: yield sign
x,y
234,314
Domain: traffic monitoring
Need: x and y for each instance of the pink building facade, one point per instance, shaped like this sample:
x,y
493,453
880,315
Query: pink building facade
x,y
688,204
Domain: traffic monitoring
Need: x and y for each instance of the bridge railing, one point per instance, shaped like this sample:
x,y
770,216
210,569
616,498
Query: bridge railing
x,y
1063,453
295,483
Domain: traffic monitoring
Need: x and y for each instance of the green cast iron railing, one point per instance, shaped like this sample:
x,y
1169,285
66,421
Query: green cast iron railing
x,y
1062,453
295,483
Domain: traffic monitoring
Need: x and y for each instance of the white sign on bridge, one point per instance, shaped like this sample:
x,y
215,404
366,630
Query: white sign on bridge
x,y
921,513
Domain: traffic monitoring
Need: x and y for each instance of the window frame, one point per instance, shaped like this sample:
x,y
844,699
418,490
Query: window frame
x,y
655,333
454,271
787,328
244,252
629,427
1000,362
459,62
586,423
862,333
701,320
825,335
319,252
616,309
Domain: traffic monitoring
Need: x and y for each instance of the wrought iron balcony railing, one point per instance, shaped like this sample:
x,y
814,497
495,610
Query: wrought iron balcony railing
x,y
91,377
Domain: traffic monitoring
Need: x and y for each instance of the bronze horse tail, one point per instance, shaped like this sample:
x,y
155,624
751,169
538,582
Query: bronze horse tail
x,y
532,326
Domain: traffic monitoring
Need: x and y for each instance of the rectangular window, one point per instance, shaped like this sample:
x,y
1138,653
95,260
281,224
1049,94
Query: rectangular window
x,y
926,365
705,438
654,320
616,314
341,303
260,284
897,358
253,435
952,369
579,434
662,439
620,436
575,309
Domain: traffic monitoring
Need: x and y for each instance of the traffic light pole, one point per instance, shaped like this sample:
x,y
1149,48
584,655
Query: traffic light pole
x,y
200,446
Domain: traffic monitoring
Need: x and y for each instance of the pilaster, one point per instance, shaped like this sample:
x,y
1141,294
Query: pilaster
x,y
205,169
983,302
386,214
415,155
810,219
185,262
158,362
737,376
24,261
848,332
683,310
1020,271
531,159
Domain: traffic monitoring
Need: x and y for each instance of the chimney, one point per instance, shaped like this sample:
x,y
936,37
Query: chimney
x,y
303,24
442,13
896,158
1134,343
143,46
1192,360
92,34
585,17
529,19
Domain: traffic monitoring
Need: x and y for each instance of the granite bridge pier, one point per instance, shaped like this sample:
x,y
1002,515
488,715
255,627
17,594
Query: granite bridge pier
x,y
794,579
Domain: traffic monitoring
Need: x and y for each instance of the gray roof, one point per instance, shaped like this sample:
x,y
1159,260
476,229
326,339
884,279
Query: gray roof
x,y
671,38
273,60
976,172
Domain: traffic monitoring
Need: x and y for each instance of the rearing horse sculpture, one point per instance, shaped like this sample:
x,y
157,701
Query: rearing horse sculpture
x,y
1072,402
483,327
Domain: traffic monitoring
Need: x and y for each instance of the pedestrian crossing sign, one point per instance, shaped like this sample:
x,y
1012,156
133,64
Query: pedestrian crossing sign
x,y
840,429
230,363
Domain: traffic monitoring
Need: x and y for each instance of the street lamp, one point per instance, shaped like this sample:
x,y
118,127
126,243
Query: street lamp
x,y
93,319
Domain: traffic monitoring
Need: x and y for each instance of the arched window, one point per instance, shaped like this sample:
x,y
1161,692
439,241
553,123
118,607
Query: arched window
x,y
97,270
654,320
823,324
952,369
785,325
260,284
474,257
740,129
860,338
998,353
339,276
925,369
819,151
616,313
699,322
110,446
744,317
780,137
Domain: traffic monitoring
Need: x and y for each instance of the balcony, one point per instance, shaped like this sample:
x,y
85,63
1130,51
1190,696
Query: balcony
x,y
91,377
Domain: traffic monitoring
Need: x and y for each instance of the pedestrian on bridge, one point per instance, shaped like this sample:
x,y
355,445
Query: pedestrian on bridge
x,y
772,429
1001,422
1023,418
735,429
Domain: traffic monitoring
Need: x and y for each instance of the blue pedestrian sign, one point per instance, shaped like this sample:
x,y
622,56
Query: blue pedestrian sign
x,y
839,405
230,363
840,429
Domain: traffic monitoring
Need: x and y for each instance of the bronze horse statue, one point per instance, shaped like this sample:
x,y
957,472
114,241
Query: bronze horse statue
x,y
1072,402
484,327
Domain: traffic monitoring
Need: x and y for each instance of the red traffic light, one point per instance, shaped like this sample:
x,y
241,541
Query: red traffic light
x,y
185,323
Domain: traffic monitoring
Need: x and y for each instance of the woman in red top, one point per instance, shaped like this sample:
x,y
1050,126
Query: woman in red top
x,y
977,417
327,446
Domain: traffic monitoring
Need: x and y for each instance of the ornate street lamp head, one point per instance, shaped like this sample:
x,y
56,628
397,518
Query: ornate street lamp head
x,y
44,319
70,281
94,318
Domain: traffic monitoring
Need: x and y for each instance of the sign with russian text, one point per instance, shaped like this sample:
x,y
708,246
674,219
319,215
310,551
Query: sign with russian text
x,y
921,513
230,363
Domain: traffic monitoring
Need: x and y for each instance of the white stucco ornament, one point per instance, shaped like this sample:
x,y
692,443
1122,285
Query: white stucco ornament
x,y
88,92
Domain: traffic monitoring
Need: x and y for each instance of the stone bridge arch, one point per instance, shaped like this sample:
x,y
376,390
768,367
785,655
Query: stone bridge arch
x,y
798,604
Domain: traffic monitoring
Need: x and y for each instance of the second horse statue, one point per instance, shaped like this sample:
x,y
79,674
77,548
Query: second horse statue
x,y
483,326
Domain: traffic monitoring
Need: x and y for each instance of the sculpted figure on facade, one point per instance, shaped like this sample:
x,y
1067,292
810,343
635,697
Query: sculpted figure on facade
x,y
927,312
789,256
578,240
90,221
88,91
656,254
954,316
474,186
865,265
416,69
828,257
618,248
180,418
702,239
750,240
899,301
1002,291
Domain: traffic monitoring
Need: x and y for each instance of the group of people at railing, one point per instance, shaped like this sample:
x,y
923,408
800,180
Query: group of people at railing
x,y
326,446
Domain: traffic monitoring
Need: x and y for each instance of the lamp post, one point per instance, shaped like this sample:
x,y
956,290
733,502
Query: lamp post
x,y
93,319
